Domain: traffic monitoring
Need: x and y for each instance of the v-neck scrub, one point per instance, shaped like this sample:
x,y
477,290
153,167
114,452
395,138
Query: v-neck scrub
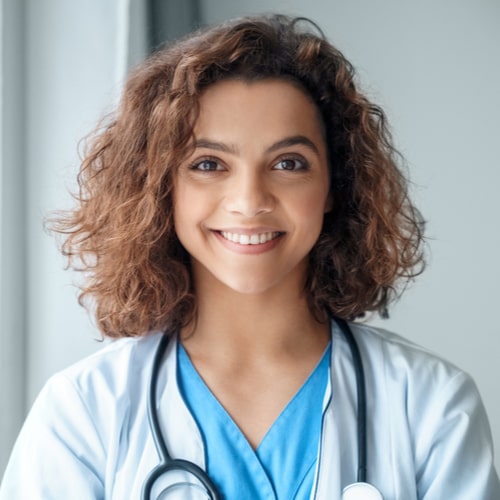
x,y
283,466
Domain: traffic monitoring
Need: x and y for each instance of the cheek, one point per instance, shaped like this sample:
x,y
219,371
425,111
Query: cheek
x,y
310,211
189,216
313,205
182,212
183,209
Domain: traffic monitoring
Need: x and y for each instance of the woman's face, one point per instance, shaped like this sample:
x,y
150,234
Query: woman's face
x,y
249,201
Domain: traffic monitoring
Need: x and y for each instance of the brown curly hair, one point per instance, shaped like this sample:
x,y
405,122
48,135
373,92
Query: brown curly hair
x,y
121,232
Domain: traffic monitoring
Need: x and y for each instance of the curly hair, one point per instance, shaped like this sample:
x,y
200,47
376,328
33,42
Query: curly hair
x,y
121,232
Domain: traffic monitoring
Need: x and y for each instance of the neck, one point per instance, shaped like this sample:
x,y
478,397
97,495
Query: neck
x,y
263,326
254,352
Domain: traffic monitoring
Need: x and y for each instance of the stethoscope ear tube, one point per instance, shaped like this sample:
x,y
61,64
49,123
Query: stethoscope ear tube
x,y
361,490
361,397
154,423
167,463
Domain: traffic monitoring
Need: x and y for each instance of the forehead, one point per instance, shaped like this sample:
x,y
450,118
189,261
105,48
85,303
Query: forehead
x,y
266,103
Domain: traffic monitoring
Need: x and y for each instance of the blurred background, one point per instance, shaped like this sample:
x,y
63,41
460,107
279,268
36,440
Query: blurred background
x,y
433,66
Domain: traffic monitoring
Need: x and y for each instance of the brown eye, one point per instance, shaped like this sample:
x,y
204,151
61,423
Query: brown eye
x,y
291,164
206,165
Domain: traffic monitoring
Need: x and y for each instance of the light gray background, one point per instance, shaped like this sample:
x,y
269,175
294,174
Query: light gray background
x,y
434,67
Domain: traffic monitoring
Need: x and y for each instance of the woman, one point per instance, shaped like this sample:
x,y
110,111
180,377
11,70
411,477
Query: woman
x,y
244,201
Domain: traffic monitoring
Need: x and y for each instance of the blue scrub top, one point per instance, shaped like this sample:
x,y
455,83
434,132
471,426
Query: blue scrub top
x,y
284,464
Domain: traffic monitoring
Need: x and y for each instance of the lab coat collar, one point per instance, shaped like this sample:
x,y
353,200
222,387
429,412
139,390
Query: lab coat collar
x,y
337,463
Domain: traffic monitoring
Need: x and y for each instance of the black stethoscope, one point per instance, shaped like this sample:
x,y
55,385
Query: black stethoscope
x,y
361,490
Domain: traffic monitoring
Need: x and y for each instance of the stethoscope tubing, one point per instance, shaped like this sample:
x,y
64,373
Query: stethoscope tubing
x,y
168,464
361,398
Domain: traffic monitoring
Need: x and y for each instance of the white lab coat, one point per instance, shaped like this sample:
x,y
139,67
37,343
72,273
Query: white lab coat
x,y
87,435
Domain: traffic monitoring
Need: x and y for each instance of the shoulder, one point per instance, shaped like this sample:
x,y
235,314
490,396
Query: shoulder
x,y
80,419
432,410
412,378
417,386
116,372
97,395
115,358
399,356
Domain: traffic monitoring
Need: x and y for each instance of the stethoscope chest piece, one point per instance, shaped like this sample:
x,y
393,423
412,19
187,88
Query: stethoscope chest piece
x,y
361,491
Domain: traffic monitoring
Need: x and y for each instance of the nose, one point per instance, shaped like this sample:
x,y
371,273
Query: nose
x,y
249,194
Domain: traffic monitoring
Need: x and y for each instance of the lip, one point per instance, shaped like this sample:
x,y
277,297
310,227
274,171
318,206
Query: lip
x,y
251,249
249,230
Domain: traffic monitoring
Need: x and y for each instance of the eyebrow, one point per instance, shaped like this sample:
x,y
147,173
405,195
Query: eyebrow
x,y
218,146
293,141
283,143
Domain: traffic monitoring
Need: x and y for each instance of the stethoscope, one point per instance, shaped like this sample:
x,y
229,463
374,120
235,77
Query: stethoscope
x,y
360,490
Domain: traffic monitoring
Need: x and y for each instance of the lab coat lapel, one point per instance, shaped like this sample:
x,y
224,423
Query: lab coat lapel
x,y
337,462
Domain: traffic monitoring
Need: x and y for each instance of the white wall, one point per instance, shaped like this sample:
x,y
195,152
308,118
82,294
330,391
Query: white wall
x,y
62,65
12,217
434,66
70,79
77,54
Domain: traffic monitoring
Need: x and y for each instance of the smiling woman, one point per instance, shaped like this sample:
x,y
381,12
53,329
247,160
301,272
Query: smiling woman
x,y
140,276
236,215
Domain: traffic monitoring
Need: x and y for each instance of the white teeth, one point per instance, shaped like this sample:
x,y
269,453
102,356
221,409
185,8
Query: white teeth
x,y
253,239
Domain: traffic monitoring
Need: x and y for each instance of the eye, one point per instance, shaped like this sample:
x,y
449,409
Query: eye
x,y
206,165
292,164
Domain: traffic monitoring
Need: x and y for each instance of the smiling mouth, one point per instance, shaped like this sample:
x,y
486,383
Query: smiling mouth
x,y
250,239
